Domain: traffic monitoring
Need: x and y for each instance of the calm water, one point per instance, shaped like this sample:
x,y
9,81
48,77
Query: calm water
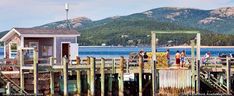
x,y
124,51
115,52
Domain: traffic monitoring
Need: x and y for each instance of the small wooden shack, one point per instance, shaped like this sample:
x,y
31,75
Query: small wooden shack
x,y
49,42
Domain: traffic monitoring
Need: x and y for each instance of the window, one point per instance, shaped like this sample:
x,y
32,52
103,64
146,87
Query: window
x,y
32,45
47,50
13,50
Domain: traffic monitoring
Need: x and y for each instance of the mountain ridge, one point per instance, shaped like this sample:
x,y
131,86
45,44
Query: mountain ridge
x,y
216,25
217,20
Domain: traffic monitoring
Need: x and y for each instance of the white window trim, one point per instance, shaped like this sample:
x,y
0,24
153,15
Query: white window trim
x,y
4,46
10,49
54,46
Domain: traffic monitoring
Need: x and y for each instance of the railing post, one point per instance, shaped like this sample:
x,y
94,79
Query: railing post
x,y
198,62
193,62
88,76
140,74
102,76
92,76
35,70
228,70
153,65
121,82
51,77
78,77
65,71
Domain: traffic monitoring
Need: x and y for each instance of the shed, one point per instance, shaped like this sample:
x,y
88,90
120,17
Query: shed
x,y
49,42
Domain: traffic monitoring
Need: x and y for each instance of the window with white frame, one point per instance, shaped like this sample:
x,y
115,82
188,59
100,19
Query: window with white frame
x,y
32,45
13,50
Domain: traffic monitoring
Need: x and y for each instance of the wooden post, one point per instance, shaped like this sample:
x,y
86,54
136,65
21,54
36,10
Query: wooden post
x,y
193,62
102,76
8,89
21,71
88,76
92,76
228,70
110,79
140,75
35,70
65,71
78,77
51,77
113,67
153,65
121,82
110,85
198,62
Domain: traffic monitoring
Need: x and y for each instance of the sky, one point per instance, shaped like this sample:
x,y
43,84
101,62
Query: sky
x,y
30,13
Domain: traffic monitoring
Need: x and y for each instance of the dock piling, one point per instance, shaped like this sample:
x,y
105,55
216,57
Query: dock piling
x,y
140,74
102,69
92,76
193,62
35,71
121,82
65,78
88,76
21,71
228,71
198,62
78,77
51,77
153,64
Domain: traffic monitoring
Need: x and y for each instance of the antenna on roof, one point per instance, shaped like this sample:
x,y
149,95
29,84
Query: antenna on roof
x,y
67,21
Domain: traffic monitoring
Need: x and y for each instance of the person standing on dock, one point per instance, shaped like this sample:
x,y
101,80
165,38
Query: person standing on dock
x,y
183,55
177,57
168,56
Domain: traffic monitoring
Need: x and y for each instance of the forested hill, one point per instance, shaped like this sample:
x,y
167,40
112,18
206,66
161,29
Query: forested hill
x,y
135,29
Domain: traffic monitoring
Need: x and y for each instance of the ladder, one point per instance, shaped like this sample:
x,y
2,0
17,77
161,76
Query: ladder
x,y
212,82
15,89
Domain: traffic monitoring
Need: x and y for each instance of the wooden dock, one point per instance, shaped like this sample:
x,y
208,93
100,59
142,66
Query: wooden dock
x,y
91,66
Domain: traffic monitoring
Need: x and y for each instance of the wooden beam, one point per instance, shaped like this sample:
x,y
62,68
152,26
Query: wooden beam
x,y
21,71
176,32
110,77
193,62
198,62
92,76
51,77
102,76
35,70
140,75
65,78
88,76
78,77
153,64
121,82
228,71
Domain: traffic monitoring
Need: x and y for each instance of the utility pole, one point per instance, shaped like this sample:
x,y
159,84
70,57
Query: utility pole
x,y
67,21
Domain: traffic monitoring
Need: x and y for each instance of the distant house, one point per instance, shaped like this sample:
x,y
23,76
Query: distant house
x,y
49,42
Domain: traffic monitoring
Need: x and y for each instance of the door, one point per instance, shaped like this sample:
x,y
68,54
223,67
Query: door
x,y
73,51
65,50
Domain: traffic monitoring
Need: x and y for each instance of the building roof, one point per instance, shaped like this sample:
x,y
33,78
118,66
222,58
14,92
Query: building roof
x,y
41,32
58,31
